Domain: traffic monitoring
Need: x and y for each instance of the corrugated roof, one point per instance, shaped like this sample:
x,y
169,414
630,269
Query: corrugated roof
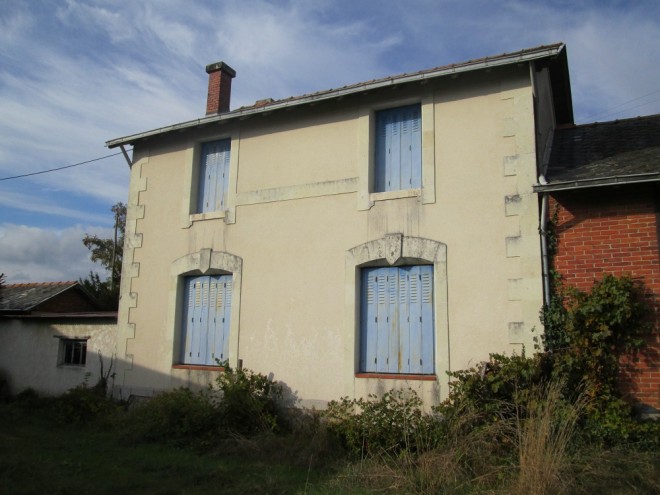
x,y
262,107
604,153
24,297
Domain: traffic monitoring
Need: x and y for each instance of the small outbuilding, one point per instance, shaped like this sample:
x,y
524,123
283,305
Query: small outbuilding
x,y
52,337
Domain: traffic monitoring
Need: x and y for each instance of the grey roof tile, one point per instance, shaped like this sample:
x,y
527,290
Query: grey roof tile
x,y
24,297
605,153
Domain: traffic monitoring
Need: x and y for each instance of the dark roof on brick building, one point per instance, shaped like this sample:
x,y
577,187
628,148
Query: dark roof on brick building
x,y
604,154
47,298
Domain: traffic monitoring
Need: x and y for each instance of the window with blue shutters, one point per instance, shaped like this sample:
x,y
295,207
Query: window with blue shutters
x,y
398,160
206,318
397,322
214,176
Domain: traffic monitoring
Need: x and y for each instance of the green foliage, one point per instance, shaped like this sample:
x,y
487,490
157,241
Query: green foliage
x,y
587,334
179,416
492,391
391,423
249,401
245,403
106,297
83,404
109,253
28,396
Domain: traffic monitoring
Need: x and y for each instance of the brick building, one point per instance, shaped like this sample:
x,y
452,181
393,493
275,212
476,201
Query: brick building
x,y
604,179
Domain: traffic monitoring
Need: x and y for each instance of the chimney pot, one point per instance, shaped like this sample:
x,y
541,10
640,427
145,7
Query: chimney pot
x,y
219,94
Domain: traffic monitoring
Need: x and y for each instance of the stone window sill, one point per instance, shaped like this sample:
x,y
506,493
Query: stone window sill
x,y
396,376
197,367
211,215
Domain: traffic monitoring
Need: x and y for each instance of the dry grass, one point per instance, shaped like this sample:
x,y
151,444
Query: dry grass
x,y
544,433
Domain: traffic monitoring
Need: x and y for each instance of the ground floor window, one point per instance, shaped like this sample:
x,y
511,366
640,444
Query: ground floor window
x,y
73,351
206,319
396,320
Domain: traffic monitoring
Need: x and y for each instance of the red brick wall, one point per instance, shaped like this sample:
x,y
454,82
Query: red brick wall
x,y
219,93
615,230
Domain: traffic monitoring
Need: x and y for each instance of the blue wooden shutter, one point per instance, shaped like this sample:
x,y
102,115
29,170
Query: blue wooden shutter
x,y
398,149
214,175
397,325
193,320
369,320
388,341
428,322
206,319
418,333
220,318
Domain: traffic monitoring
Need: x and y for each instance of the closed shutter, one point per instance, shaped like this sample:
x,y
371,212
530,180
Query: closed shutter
x,y
221,313
206,318
420,322
398,149
214,175
397,320
369,320
195,316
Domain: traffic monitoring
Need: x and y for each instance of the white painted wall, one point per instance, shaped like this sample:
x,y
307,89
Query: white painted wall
x,y
29,352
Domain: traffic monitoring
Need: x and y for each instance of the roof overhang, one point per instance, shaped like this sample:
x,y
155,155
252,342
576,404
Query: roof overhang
x,y
98,315
529,55
598,182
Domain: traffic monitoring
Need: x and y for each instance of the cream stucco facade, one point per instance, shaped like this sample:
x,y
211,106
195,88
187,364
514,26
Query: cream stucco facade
x,y
302,221
31,352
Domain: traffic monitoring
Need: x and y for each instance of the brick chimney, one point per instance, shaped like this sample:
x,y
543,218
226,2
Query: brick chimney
x,y
220,76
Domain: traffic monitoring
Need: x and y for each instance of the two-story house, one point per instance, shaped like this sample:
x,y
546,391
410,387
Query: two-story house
x,y
345,242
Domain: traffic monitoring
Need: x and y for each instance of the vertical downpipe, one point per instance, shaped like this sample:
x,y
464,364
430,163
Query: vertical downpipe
x,y
544,246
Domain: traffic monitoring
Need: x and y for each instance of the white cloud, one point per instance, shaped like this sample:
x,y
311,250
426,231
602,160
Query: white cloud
x,y
45,206
118,27
29,254
74,74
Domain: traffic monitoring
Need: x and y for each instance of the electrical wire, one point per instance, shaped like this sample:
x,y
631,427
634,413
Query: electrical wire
x,y
62,168
611,109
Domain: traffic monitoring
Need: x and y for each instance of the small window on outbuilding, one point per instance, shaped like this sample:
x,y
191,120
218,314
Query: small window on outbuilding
x,y
73,352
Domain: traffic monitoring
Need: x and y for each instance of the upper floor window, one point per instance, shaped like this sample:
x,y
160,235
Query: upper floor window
x,y
398,160
206,319
213,176
397,324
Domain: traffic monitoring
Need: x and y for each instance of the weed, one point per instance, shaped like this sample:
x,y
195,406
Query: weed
x,y
249,401
545,426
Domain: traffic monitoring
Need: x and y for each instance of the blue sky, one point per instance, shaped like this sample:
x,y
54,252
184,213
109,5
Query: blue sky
x,y
75,73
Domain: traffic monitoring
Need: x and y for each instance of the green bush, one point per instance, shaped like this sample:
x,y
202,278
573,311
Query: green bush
x,y
494,390
391,423
180,416
244,403
83,404
249,401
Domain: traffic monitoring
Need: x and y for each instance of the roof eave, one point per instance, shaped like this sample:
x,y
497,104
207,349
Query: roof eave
x,y
599,182
485,63
84,315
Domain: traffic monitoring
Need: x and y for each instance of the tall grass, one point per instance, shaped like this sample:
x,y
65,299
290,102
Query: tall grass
x,y
546,425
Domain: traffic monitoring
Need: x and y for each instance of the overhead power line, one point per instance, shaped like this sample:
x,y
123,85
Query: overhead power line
x,y
611,109
61,168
